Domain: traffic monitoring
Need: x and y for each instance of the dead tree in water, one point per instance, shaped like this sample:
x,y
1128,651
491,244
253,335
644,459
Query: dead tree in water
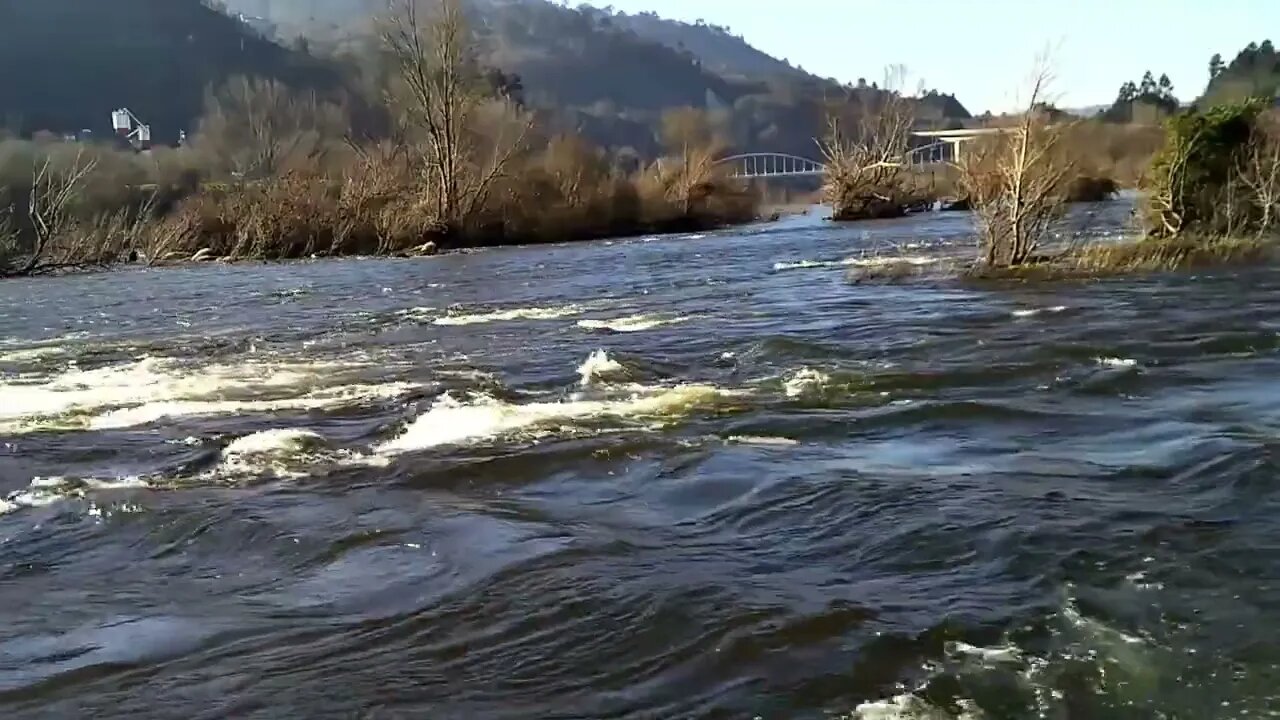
x,y
866,171
1017,183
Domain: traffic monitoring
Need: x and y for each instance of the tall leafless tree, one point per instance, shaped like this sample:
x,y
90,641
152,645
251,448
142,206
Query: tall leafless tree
x,y
1017,182
1260,171
260,127
441,96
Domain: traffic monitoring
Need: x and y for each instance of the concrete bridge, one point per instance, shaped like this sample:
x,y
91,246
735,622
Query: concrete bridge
x,y
939,146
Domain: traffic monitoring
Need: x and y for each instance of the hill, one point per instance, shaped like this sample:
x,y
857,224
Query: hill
x,y
155,57
716,47
1254,72
605,75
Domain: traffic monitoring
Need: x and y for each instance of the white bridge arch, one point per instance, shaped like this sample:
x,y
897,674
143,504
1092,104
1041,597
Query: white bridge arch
x,y
940,147
762,165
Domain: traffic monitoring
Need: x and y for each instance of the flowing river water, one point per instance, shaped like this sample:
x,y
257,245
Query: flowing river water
x,y
677,477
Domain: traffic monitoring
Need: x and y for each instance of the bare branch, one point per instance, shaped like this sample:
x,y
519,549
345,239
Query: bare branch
x,y
49,205
866,157
1017,182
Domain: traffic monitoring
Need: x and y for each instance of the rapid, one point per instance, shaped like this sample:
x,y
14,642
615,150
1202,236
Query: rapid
x,y
666,477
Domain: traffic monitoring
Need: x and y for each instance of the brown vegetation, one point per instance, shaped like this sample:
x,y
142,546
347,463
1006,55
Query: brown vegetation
x,y
1210,198
283,175
1116,152
867,175
1017,183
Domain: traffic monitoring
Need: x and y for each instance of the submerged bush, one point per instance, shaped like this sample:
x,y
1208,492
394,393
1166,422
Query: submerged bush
x,y
1086,188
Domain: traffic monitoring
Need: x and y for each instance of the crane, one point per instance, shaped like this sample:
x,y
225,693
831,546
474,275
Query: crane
x,y
123,121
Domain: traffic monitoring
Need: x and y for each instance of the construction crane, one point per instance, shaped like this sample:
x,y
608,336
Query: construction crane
x,y
130,129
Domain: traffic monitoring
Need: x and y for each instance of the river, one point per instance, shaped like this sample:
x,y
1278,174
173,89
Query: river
x,y
675,477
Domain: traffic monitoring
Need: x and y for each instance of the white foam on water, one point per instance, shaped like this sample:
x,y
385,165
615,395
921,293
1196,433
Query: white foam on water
x,y
153,412
279,450
765,440
805,381
597,366
1128,671
886,260
530,313
1116,362
910,707
1095,630
858,261
1032,312
804,264
454,422
418,314
45,491
150,389
995,655
24,355
633,323
272,441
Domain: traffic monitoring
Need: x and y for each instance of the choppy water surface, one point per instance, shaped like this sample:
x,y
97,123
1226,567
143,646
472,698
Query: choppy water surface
x,y
659,478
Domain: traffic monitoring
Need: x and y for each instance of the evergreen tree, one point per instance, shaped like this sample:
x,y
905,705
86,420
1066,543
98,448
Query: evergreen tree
x,y
1216,65
1148,86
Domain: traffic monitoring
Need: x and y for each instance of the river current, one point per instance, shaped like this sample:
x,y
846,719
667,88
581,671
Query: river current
x,y
673,477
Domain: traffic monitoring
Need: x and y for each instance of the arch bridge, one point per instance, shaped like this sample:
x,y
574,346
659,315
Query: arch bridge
x,y
939,146
770,165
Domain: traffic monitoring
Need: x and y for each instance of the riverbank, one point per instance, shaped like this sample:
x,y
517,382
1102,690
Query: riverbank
x,y
377,213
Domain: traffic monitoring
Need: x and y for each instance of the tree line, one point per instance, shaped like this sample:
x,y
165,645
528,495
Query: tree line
x,y
433,154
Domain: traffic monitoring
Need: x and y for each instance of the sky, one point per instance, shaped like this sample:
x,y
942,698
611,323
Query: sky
x,y
984,50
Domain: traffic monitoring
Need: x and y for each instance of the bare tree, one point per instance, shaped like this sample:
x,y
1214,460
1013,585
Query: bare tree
x,y
1170,195
1017,182
578,169
866,156
8,239
260,127
441,96
693,145
1260,171
50,204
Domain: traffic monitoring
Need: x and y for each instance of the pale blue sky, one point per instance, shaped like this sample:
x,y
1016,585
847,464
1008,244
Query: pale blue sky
x,y
983,50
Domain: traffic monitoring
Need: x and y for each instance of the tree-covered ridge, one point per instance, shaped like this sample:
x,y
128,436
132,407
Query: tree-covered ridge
x,y
66,64
587,70
1144,102
1253,73
716,46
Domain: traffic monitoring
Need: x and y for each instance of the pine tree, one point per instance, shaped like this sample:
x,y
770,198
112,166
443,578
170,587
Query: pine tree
x,y
1216,65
